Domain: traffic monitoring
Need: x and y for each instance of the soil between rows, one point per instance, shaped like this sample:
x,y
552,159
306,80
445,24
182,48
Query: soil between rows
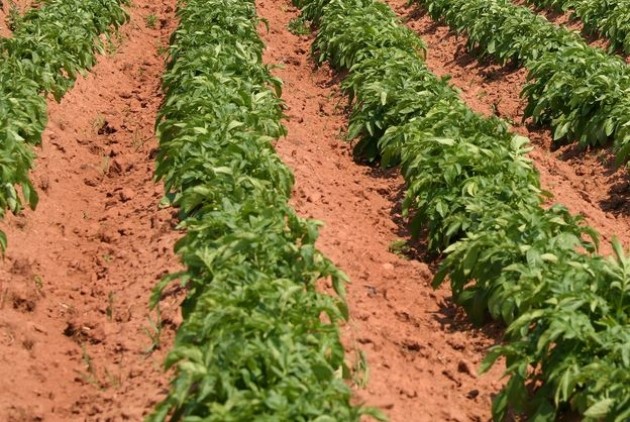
x,y
77,340
418,345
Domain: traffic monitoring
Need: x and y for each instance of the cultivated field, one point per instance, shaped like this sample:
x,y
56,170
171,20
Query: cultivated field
x,y
326,210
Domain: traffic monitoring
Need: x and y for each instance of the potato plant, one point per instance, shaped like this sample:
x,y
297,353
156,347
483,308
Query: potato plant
x,y
581,91
609,18
259,340
50,47
476,196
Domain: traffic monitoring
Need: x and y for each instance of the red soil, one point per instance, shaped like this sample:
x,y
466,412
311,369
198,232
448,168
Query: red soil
x,y
76,280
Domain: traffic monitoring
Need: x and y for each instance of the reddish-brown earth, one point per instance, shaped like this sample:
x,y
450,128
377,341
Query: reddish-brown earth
x,y
422,355
76,334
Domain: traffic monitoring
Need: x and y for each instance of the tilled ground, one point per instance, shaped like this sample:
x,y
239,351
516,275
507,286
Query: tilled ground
x,y
77,340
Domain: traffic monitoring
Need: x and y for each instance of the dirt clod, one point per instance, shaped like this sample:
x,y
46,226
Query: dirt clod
x,y
127,194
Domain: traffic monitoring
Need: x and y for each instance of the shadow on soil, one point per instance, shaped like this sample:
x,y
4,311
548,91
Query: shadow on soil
x,y
451,316
617,199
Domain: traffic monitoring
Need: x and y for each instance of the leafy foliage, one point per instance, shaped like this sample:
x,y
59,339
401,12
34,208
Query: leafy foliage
x,y
49,48
258,341
477,198
581,91
610,18
344,50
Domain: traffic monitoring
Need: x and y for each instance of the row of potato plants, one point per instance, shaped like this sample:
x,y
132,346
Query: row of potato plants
x,y
49,48
476,196
609,18
579,90
259,340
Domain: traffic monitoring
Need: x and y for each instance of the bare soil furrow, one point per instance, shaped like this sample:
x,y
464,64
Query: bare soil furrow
x,y
77,340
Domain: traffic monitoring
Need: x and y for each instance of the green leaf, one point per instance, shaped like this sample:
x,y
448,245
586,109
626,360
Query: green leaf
x,y
3,242
600,409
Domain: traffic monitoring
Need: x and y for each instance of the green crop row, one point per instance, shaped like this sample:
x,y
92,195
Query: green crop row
x,y
610,18
474,194
259,342
49,48
582,92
